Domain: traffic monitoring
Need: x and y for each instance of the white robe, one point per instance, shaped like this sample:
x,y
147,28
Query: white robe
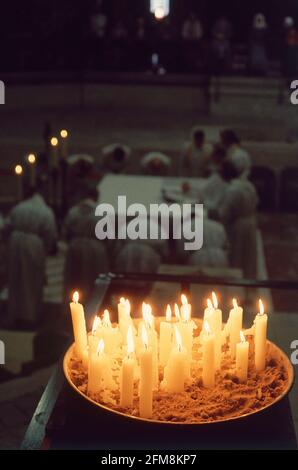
x,y
241,159
86,255
33,235
195,161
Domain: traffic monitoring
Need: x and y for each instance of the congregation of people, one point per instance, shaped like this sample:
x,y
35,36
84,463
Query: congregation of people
x,y
36,227
90,36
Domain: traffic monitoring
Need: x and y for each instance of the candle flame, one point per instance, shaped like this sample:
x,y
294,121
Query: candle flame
x,y
177,312
178,338
214,300
147,314
96,324
18,170
75,297
100,347
130,341
168,313
207,328
63,133
54,141
242,337
261,307
235,304
31,158
144,336
122,300
106,319
184,299
185,313
209,303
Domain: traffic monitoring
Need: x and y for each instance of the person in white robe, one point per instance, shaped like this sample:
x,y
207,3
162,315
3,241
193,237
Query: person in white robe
x,y
237,211
196,155
33,236
236,153
115,157
155,164
86,256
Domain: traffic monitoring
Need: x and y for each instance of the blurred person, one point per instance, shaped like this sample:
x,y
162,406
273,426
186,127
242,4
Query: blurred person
x,y
196,154
99,21
237,211
80,168
221,45
155,164
86,256
258,47
33,236
235,152
115,157
215,185
192,29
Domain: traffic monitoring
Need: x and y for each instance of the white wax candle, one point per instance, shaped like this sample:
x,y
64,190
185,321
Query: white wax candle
x,y
260,338
213,315
124,318
64,143
235,326
165,338
79,327
146,378
208,375
242,349
98,365
127,373
175,371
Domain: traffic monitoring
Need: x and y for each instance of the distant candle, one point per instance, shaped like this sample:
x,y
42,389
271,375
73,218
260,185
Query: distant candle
x,y
79,326
32,168
208,375
260,338
64,143
242,350
96,334
146,377
54,152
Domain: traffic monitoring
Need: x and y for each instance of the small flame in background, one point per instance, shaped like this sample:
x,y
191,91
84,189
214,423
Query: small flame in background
x,y
101,346
178,338
261,307
96,324
75,297
214,300
177,312
168,313
235,304
242,337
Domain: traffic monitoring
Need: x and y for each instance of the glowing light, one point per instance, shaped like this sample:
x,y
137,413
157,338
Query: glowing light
x,y
177,312
209,303
18,170
235,304
31,158
96,324
101,347
75,297
168,313
147,314
106,319
261,307
184,299
63,133
160,8
242,337
54,141
214,300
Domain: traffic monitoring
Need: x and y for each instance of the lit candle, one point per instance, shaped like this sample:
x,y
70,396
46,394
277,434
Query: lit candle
x,y
165,338
177,312
32,168
242,349
208,375
175,371
19,174
54,153
235,326
146,377
98,365
124,318
213,315
79,326
260,338
148,322
64,143
96,334
127,372
185,326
